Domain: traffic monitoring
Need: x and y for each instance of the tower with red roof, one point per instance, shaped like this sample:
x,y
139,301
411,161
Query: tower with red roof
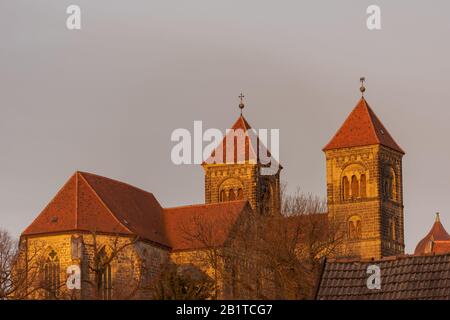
x,y
436,241
241,167
365,185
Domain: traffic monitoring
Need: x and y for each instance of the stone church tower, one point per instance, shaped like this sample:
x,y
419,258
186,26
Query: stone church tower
x,y
241,167
365,186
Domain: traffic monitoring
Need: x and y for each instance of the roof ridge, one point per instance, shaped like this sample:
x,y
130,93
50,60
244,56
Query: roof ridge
x,y
375,118
104,204
369,114
116,181
206,204
387,258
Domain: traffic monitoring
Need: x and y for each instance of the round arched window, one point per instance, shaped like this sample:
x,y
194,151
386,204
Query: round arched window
x,y
354,228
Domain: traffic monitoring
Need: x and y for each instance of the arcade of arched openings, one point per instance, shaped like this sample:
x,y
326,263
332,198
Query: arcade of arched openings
x,y
354,185
230,190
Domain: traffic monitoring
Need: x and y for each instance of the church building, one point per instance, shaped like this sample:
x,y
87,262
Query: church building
x,y
120,237
108,227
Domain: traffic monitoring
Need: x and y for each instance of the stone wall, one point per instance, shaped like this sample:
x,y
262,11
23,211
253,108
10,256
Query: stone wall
x,y
378,208
133,266
256,187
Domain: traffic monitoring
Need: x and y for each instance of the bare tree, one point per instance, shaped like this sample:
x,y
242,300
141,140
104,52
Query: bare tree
x,y
98,259
293,244
267,256
19,268
232,261
8,256
205,234
182,282
300,203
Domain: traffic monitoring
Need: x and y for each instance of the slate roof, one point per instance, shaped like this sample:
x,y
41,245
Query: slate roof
x,y
362,128
402,278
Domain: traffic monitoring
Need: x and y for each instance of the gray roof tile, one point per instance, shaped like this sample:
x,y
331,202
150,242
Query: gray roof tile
x,y
402,277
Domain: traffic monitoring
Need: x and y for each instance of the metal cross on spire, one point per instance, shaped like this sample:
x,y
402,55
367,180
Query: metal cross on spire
x,y
362,88
241,105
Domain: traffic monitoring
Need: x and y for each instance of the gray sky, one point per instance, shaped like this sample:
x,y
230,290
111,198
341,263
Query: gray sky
x,y
107,98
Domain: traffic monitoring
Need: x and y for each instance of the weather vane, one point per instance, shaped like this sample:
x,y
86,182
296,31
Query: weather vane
x,y
362,88
241,105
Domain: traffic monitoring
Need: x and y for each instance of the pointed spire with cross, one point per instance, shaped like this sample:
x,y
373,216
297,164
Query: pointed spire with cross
x,y
362,88
241,104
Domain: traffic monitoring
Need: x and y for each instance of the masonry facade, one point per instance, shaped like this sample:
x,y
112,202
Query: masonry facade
x,y
235,171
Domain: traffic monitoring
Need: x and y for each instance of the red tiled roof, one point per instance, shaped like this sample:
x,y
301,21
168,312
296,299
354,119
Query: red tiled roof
x,y
202,226
240,144
362,128
89,202
437,240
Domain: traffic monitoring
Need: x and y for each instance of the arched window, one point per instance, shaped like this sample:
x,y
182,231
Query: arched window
x,y
76,247
106,283
267,200
393,230
240,194
52,276
362,186
104,276
358,228
354,228
386,188
392,179
355,187
231,189
354,181
345,188
232,195
223,196
389,183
